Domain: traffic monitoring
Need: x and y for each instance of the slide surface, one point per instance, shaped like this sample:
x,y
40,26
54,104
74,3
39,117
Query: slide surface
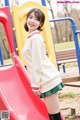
x,y
16,95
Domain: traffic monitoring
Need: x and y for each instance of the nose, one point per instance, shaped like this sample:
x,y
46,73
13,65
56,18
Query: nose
x,y
33,20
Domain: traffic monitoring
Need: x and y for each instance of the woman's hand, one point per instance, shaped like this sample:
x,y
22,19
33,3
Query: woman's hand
x,y
36,91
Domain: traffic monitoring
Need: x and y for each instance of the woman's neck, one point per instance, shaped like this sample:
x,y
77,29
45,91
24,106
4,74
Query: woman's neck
x,y
33,31
30,32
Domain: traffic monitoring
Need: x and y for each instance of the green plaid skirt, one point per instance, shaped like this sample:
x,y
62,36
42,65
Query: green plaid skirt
x,y
52,91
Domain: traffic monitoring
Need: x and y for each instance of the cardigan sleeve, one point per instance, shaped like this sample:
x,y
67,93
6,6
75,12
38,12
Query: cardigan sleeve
x,y
36,61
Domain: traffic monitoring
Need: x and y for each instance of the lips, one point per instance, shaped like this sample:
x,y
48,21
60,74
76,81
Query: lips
x,y
31,25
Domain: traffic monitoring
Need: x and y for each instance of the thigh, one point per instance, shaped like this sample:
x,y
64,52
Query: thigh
x,y
52,103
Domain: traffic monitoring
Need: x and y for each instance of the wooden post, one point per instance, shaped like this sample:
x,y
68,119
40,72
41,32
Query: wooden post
x,y
73,111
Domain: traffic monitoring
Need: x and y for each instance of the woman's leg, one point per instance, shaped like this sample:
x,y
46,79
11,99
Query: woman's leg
x,y
52,104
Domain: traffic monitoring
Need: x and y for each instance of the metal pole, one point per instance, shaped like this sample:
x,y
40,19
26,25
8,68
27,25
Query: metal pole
x,y
6,2
15,44
43,2
1,56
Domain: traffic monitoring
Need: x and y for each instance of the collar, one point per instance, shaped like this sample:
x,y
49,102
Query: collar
x,y
32,33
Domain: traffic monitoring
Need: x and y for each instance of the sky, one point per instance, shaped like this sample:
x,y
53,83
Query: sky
x,y
22,1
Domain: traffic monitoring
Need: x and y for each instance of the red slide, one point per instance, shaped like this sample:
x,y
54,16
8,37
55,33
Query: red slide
x,y
16,95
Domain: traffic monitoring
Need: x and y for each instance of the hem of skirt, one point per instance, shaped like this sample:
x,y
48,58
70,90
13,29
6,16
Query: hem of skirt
x,y
52,91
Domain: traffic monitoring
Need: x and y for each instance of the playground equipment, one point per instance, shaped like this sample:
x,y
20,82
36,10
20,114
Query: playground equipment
x,y
16,95
75,34
6,2
19,17
1,56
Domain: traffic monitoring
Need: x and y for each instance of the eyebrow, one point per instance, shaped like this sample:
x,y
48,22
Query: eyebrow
x,y
30,15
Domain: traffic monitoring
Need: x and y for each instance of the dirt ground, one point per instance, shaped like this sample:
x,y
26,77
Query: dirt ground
x,y
69,103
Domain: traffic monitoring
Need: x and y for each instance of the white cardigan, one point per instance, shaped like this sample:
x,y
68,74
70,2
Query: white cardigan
x,y
42,72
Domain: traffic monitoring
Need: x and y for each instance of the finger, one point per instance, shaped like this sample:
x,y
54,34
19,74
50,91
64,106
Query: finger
x,y
39,93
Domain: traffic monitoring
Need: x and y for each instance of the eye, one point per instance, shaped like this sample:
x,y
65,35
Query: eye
x,y
37,19
30,17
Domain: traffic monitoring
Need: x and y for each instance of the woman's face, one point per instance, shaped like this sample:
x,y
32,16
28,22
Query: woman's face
x,y
32,22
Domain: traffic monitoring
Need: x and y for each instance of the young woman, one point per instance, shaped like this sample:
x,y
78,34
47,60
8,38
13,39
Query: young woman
x,y
45,78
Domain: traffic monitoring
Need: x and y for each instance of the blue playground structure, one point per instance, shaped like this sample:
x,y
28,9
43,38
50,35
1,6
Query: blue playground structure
x,y
75,35
1,56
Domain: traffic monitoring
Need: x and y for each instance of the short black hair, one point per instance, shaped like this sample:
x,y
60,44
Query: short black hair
x,y
39,14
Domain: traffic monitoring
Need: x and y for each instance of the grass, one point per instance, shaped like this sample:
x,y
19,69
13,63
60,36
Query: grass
x,y
67,95
65,45
7,62
73,118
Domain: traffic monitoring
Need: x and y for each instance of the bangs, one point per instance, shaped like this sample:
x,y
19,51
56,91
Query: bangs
x,y
38,15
